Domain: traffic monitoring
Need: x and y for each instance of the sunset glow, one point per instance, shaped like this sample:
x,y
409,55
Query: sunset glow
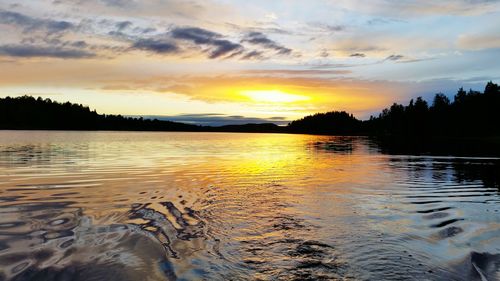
x,y
273,96
257,60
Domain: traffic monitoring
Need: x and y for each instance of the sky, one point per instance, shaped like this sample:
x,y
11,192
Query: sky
x,y
216,61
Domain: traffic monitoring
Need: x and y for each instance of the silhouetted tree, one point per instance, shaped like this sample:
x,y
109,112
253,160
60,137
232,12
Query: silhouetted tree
x,y
331,123
470,114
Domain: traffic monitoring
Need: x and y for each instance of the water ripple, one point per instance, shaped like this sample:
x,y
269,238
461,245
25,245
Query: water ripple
x,y
183,206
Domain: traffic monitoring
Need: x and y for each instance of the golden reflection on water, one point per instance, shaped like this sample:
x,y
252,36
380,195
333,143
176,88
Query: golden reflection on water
x,y
130,206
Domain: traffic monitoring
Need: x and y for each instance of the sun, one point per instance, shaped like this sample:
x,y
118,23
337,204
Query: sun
x,y
275,96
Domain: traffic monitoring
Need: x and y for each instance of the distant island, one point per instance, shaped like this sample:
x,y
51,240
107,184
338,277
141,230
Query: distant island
x,y
470,113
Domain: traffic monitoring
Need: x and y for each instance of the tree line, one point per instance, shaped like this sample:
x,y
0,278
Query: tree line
x,y
471,113
26,112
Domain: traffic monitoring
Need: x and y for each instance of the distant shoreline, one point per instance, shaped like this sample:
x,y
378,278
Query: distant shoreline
x,y
471,113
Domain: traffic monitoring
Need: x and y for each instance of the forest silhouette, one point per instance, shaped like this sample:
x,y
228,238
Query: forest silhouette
x,y
28,113
471,113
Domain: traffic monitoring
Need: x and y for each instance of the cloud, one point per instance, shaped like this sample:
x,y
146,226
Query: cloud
x,y
358,55
29,23
333,28
79,44
256,27
395,57
258,38
123,25
217,119
326,27
195,34
413,8
315,66
359,43
404,59
296,72
218,47
325,92
380,21
180,39
479,41
117,3
170,10
253,55
156,46
225,47
28,51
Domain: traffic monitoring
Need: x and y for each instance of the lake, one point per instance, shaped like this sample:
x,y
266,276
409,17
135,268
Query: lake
x,y
229,206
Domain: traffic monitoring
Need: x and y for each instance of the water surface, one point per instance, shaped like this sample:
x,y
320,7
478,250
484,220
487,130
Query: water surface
x,y
222,206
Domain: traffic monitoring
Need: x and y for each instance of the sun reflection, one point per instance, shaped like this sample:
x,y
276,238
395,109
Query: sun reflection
x,y
273,96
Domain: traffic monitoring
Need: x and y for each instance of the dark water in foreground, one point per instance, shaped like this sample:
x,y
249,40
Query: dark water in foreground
x,y
217,206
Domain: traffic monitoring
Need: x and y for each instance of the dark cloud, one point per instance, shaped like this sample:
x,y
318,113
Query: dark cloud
x,y
278,118
324,54
378,21
125,29
334,28
258,38
224,47
56,26
253,55
218,47
79,44
53,42
216,119
327,27
121,25
144,30
117,3
177,39
195,34
358,55
156,46
30,23
394,57
411,60
404,59
212,43
120,35
28,51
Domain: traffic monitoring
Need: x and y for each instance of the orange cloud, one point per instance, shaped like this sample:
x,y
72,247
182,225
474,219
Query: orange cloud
x,y
316,93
